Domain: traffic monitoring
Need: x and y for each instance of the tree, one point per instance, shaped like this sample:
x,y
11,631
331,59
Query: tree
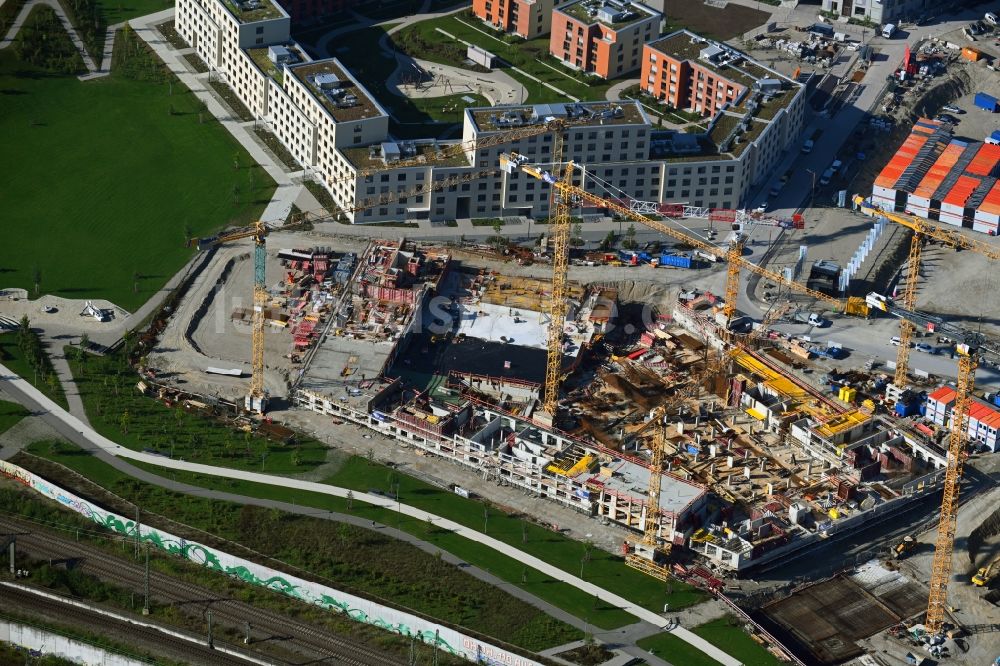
x,y
36,277
350,500
296,458
578,231
629,237
187,230
236,160
608,242
236,193
135,282
123,422
344,532
52,381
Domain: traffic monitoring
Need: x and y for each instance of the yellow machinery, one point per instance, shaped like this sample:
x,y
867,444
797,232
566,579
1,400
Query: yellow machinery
x,y
923,230
560,225
513,161
256,399
969,345
985,575
647,555
904,547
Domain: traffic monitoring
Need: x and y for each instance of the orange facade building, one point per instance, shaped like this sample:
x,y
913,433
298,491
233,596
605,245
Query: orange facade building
x,y
525,18
602,37
688,72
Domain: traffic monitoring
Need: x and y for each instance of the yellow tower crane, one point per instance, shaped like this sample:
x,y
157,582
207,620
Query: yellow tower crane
x,y
970,346
648,555
560,225
256,399
853,306
923,230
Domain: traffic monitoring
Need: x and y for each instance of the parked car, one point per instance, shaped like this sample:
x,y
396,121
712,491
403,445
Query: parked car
x,y
945,118
775,190
951,108
924,347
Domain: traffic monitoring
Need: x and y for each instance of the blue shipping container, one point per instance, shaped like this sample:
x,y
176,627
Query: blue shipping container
x,y
675,260
904,409
987,102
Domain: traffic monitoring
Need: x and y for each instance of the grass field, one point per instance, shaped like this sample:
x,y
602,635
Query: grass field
x,y
373,68
599,567
344,556
119,412
13,357
10,414
422,40
101,179
724,633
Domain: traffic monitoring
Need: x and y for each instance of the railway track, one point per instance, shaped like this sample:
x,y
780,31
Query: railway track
x,y
293,636
155,641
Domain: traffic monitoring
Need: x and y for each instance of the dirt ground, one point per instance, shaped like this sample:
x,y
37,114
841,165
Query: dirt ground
x,y
712,22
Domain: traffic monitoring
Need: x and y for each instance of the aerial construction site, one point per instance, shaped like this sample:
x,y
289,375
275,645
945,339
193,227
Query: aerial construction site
x,y
706,445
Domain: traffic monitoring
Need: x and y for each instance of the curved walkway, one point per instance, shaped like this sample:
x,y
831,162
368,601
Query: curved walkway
x,y
82,434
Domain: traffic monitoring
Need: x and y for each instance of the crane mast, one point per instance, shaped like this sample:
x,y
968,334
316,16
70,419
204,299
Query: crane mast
x,y
256,398
560,221
923,230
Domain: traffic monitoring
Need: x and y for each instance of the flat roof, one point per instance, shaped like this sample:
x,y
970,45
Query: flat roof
x,y
428,153
259,56
589,12
685,45
254,10
508,117
632,479
364,105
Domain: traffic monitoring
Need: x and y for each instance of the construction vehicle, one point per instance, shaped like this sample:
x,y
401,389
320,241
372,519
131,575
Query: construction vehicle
x,y
904,547
986,574
970,346
256,398
923,230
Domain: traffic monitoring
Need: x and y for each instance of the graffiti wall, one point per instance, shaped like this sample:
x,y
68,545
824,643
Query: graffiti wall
x,y
358,609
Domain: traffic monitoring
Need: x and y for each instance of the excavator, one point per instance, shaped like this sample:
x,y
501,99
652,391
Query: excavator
x,y
987,573
903,548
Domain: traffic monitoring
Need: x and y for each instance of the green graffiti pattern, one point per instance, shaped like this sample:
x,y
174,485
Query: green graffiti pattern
x,y
199,554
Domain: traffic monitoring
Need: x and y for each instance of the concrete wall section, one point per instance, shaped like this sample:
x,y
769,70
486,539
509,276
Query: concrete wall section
x,y
362,610
52,644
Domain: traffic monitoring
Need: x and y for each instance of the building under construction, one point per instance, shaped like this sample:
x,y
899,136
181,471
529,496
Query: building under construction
x,y
759,464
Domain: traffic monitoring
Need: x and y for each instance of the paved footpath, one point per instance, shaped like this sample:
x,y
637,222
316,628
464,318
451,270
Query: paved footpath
x,y
287,191
8,39
83,435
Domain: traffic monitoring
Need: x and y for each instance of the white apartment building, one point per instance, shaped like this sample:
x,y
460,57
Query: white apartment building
x,y
880,11
333,126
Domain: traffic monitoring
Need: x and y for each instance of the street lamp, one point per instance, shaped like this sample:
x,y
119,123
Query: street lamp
x,y
812,190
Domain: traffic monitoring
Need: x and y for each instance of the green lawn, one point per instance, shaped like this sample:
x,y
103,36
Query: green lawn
x,y
346,557
545,587
600,567
674,650
119,412
14,358
373,68
10,414
100,181
725,633
422,40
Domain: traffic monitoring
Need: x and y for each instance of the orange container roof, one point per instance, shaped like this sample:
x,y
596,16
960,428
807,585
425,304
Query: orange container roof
x,y
991,204
921,131
944,394
940,170
963,189
985,160
984,414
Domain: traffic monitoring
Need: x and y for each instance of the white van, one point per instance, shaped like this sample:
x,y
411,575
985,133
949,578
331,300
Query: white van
x,y
888,30
895,340
991,18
